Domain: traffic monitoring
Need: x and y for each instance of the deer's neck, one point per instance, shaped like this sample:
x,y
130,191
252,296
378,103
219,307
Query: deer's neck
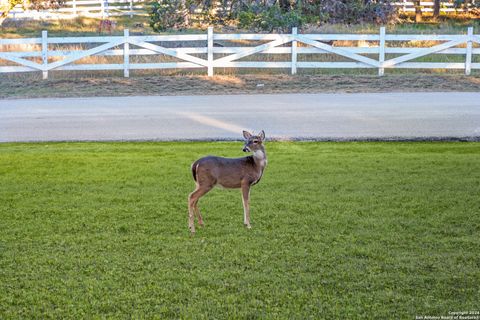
x,y
260,158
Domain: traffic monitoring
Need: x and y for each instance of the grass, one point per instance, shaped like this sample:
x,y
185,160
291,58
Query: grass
x,y
340,230
81,26
139,25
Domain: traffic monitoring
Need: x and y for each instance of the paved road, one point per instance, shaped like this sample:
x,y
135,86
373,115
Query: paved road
x,y
290,116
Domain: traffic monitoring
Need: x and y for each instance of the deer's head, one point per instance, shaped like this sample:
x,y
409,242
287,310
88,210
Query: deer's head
x,y
253,142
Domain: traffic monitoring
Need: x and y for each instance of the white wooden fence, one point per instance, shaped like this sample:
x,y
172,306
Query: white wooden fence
x,y
84,8
288,51
427,6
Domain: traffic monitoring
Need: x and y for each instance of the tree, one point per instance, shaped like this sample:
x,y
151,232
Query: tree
x,y
29,4
436,9
418,11
5,7
285,5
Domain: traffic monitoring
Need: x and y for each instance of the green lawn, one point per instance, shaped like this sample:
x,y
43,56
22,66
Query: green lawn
x,y
340,230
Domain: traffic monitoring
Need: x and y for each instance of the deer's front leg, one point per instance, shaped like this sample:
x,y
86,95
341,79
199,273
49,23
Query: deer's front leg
x,y
191,213
246,204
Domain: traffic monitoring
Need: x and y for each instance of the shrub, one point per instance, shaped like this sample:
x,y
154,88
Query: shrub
x,y
269,18
270,15
167,14
356,11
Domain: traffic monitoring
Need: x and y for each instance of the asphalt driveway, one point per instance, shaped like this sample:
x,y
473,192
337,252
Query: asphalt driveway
x,y
357,116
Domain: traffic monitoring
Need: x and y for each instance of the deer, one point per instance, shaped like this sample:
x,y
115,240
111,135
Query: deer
x,y
231,173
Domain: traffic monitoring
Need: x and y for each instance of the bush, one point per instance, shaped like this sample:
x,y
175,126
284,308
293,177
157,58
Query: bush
x,y
167,14
269,15
351,12
272,17
269,18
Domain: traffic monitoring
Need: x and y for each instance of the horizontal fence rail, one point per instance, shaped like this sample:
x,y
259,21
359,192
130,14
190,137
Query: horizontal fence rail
x,y
209,51
427,6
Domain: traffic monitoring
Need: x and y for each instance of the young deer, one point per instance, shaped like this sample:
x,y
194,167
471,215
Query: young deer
x,y
212,171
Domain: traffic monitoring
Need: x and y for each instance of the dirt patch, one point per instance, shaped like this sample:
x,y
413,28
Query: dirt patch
x,y
14,87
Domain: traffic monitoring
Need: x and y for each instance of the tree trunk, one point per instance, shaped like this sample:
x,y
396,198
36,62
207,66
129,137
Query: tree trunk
x,y
284,5
436,9
418,11
185,13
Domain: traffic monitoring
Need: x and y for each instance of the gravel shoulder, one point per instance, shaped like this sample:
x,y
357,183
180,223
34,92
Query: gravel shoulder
x,y
23,86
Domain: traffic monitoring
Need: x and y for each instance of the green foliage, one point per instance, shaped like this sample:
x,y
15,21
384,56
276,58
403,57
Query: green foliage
x,y
340,231
276,15
247,19
466,3
167,14
269,18
350,11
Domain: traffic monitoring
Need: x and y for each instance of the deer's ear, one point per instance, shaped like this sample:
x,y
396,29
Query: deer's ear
x,y
262,135
246,134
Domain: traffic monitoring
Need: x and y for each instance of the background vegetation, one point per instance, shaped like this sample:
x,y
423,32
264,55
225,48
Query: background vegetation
x,y
282,15
340,230
269,15
139,25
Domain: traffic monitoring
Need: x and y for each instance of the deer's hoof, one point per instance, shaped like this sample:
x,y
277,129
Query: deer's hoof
x,y
248,226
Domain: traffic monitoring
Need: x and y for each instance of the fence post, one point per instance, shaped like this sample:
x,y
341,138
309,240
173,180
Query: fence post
x,y
468,58
106,8
294,51
45,53
126,54
381,52
131,8
210,51
75,8
102,8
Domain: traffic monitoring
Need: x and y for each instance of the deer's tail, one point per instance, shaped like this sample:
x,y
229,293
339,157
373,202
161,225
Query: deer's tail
x,y
194,170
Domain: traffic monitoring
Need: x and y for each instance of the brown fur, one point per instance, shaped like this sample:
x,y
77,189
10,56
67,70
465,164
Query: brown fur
x,y
212,171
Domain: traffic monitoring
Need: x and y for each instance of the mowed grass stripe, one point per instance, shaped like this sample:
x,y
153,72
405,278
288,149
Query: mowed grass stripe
x,y
340,230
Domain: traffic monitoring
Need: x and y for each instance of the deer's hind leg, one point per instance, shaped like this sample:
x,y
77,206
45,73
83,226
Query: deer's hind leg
x,y
193,209
199,216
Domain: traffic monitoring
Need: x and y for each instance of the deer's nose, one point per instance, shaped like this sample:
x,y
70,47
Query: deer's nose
x,y
246,149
